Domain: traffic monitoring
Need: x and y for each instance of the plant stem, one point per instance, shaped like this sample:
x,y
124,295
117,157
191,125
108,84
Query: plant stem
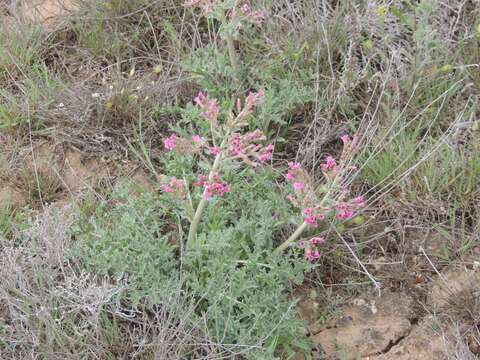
x,y
232,54
304,225
292,238
192,233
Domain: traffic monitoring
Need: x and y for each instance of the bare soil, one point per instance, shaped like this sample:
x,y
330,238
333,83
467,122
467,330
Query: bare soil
x,y
47,12
424,321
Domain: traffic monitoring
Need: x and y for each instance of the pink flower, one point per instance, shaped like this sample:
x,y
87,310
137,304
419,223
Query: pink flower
x,y
197,139
310,217
166,188
170,142
216,188
312,255
266,153
210,108
344,211
298,186
249,15
345,139
175,185
200,99
248,147
254,99
301,243
215,150
359,201
317,241
202,180
329,165
236,145
245,8
294,166
292,170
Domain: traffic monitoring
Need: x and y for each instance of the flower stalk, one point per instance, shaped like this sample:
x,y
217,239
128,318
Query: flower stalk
x,y
232,54
334,174
291,239
192,232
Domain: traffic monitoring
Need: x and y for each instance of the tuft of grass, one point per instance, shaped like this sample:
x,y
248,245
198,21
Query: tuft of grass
x,y
40,187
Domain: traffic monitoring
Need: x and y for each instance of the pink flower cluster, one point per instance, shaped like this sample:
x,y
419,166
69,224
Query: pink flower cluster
x,y
311,248
210,108
246,13
171,142
345,210
254,99
312,215
214,150
180,144
197,139
329,167
253,15
175,187
292,173
266,153
246,146
296,176
214,187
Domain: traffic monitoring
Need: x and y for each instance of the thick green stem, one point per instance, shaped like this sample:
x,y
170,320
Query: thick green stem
x,y
192,233
292,238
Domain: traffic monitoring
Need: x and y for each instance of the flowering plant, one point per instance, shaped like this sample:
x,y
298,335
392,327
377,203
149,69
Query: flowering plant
x,y
227,144
334,201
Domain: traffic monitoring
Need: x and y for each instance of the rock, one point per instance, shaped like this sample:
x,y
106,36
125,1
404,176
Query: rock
x,y
423,343
47,12
368,328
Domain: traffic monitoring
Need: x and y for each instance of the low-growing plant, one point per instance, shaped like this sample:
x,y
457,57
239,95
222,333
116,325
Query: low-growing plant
x,y
219,224
230,148
241,299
